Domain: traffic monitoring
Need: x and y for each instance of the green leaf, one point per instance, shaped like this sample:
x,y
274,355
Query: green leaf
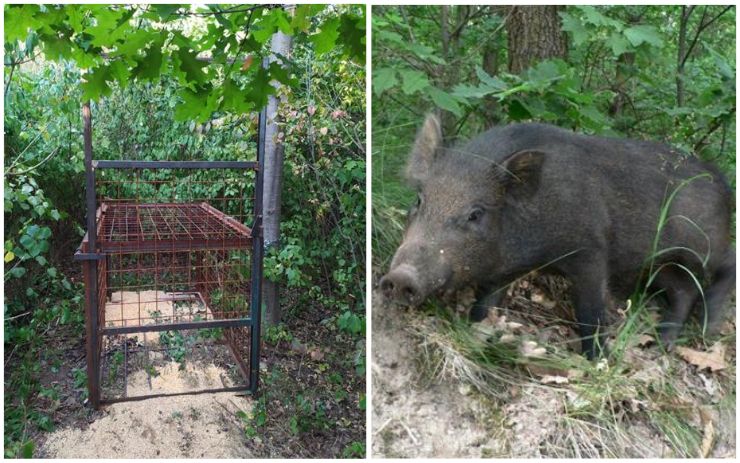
x,y
9,256
260,88
18,20
195,106
191,66
52,272
574,25
426,53
95,84
136,42
618,43
352,36
413,80
120,72
325,39
493,82
518,111
383,79
445,101
302,18
594,16
76,17
471,91
280,20
638,35
165,11
148,68
27,449
234,98
17,272
263,29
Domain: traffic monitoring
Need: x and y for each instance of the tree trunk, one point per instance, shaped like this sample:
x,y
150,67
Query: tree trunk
x,y
683,25
534,34
273,180
490,64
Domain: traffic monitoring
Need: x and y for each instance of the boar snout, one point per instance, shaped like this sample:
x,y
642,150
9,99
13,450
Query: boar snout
x,y
402,285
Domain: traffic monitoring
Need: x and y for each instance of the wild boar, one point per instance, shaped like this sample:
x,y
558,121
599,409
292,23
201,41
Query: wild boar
x,y
529,196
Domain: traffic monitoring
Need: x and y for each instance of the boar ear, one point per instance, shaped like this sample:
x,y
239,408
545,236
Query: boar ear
x,y
428,141
519,173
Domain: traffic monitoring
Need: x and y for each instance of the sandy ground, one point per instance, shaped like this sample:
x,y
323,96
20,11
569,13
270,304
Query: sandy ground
x,y
189,426
416,420
417,417
202,426
133,308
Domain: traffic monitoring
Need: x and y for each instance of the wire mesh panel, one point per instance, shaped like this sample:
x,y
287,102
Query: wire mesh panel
x,y
174,277
172,267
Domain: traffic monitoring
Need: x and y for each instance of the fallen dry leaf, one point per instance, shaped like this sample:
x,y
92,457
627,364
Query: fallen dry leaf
x,y
714,359
644,340
316,354
531,349
553,379
538,297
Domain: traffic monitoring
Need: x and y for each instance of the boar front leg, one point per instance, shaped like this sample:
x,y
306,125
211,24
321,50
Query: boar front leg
x,y
589,293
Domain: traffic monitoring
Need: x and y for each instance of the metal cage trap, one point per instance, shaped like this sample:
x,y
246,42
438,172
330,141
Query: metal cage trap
x,y
172,275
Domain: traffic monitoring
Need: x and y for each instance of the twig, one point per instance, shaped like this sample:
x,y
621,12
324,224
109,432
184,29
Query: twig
x,y
18,316
382,426
37,165
411,434
702,26
15,161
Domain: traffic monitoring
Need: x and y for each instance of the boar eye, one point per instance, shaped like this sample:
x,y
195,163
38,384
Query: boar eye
x,y
475,215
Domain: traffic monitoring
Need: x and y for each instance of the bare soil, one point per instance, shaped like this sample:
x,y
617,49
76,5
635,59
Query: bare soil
x,y
311,381
418,414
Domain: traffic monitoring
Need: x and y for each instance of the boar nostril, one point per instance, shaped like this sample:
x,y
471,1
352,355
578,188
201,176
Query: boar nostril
x,y
409,293
386,286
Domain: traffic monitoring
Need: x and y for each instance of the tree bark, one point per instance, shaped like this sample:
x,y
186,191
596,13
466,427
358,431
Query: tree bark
x,y
490,64
534,34
273,181
683,25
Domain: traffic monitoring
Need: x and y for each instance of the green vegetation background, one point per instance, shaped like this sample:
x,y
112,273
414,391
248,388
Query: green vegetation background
x,y
154,100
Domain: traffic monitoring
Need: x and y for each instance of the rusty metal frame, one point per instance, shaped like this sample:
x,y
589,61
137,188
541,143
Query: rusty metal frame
x,y
92,254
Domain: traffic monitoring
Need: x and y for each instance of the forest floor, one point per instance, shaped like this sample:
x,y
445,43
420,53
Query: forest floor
x,y
431,400
310,404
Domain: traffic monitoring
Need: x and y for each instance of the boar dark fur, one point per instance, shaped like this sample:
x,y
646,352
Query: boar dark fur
x,y
523,196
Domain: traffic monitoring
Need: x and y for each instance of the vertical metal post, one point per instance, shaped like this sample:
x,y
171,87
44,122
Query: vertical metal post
x,y
257,255
91,320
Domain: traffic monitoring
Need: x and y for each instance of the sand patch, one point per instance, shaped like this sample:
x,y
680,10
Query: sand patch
x,y
190,426
135,308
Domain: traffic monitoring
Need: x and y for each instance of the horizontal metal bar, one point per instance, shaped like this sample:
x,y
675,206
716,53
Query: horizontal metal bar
x,y
127,164
132,247
200,325
79,255
244,389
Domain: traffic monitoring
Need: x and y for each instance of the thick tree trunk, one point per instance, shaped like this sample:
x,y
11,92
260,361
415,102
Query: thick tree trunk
x,y
273,178
534,34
